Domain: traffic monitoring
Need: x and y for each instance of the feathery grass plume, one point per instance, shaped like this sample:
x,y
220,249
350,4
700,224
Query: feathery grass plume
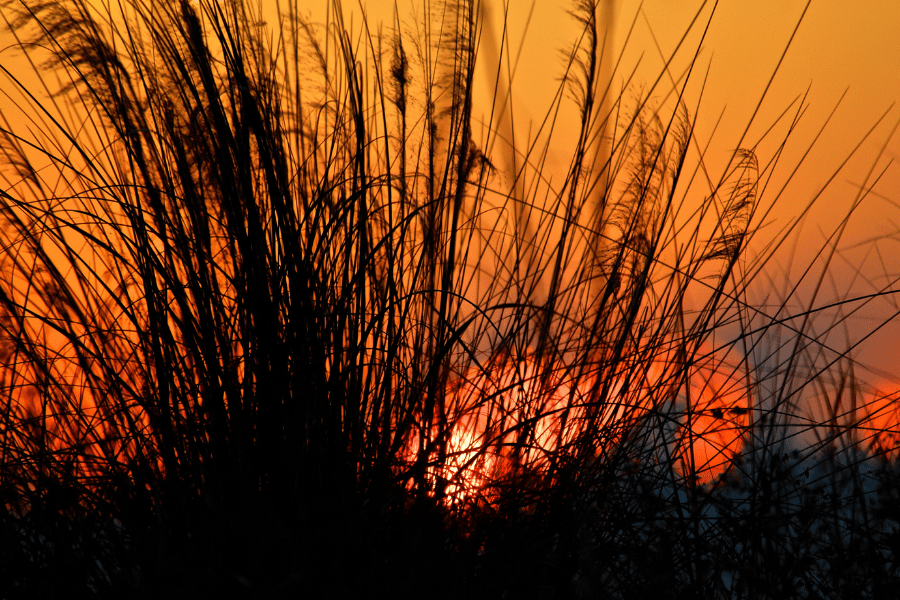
x,y
270,315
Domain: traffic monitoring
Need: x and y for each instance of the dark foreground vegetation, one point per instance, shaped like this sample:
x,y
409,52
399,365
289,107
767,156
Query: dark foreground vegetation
x,y
283,313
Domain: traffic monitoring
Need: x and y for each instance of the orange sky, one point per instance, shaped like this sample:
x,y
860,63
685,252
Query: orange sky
x,y
840,46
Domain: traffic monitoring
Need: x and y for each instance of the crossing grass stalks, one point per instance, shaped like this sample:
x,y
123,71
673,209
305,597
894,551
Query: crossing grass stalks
x,y
275,319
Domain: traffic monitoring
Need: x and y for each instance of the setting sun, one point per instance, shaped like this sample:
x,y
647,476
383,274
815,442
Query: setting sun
x,y
514,416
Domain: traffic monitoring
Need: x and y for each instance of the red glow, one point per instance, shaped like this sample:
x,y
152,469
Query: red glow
x,y
71,431
880,428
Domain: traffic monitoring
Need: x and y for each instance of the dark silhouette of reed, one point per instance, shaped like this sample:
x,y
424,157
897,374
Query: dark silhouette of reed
x,y
275,322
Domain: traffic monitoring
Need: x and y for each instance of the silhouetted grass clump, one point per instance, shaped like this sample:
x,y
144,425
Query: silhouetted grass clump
x,y
281,313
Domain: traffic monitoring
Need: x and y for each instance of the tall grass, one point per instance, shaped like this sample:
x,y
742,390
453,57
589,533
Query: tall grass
x,y
277,319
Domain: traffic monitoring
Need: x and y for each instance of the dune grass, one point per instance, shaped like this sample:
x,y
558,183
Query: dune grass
x,y
280,315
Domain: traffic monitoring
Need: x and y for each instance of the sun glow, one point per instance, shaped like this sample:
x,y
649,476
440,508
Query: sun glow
x,y
518,415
